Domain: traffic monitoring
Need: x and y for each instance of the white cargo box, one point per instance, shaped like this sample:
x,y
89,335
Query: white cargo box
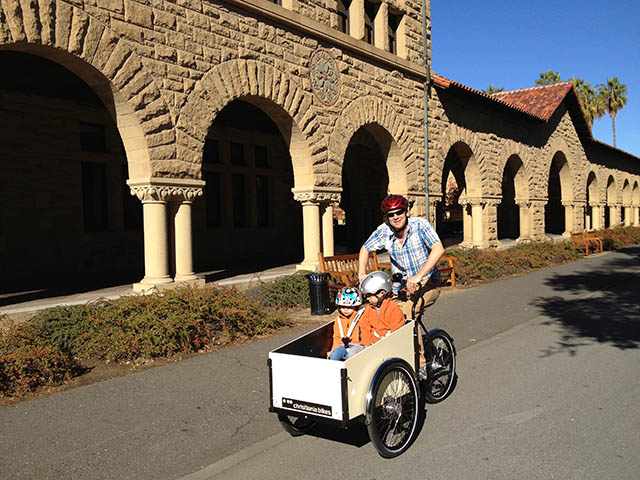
x,y
304,381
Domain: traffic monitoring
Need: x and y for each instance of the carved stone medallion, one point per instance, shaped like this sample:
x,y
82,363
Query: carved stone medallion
x,y
325,78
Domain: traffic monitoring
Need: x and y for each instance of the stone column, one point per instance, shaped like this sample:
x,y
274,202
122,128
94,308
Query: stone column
x,y
156,195
627,215
183,239
477,226
156,239
568,219
536,219
467,226
327,230
596,216
636,217
614,216
523,211
311,199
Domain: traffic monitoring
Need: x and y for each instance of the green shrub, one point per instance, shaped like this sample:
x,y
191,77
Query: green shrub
x,y
290,291
28,361
157,325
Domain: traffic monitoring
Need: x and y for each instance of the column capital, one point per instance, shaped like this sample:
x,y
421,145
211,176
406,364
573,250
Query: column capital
x,y
166,189
317,194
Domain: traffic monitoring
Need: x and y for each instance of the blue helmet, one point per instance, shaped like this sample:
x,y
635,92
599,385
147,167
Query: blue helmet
x,y
348,297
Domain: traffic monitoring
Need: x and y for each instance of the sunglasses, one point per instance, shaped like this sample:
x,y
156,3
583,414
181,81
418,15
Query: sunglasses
x,y
396,213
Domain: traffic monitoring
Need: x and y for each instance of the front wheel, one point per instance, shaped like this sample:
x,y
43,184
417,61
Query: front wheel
x,y
441,378
296,426
394,410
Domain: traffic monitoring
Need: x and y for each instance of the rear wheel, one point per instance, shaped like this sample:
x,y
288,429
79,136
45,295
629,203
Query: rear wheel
x,y
394,410
441,367
296,426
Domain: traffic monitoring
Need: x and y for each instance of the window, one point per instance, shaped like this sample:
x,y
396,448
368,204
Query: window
x,y
239,200
343,15
131,206
262,200
92,137
394,23
212,199
211,152
94,196
237,153
261,157
370,11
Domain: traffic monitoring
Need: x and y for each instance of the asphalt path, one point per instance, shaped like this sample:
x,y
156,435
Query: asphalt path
x,y
548,388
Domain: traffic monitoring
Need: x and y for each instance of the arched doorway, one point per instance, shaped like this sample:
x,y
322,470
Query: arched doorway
x,y
67,212
365,183
514,190
609,210
449,211
592,220
558,193
248,214
625,214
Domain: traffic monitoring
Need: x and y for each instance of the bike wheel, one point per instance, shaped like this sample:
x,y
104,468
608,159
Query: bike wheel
x,y
296,426
441,367
394,411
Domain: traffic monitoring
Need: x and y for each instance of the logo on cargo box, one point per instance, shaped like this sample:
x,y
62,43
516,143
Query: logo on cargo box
x,y
307,407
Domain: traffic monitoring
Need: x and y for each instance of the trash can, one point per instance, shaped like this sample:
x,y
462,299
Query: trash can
x,y
319,293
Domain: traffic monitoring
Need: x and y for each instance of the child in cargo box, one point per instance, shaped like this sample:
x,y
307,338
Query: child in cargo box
x,y
346,328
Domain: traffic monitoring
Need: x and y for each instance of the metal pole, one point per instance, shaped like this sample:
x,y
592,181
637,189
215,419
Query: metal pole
x,y
426,109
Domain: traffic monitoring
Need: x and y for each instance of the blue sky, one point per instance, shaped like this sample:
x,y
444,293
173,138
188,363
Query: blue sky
x,y
509,43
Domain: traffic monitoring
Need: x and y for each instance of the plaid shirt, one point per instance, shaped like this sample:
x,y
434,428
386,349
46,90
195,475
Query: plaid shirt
x,y
406,259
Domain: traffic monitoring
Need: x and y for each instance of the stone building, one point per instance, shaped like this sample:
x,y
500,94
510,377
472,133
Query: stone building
x,y
158,138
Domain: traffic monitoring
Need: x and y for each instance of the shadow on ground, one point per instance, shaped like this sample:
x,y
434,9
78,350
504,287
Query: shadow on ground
x,y
607,311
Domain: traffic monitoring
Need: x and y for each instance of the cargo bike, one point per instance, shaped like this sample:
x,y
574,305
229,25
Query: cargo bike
x,y
381,386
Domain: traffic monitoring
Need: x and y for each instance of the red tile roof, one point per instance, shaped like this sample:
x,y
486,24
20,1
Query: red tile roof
x,y
540,101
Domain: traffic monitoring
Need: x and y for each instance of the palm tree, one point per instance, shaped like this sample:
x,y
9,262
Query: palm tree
x,y
591,102
493,89
549,78
614,95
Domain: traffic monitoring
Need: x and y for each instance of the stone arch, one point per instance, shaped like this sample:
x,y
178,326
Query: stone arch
x,y
523,178
559,150
626,192
267,88
79,42
635,194
468,147
380,119
611,190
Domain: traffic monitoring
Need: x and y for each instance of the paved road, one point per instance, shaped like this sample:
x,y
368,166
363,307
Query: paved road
x,y
548,389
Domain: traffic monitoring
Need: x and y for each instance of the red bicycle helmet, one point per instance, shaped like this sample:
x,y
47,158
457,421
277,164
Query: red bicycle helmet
x,y
394,202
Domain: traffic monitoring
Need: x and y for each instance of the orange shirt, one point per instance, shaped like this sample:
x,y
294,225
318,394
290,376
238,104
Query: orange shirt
x,y
375,323
346,324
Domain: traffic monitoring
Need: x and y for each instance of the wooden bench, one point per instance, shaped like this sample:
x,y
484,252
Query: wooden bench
x,y
586,241
343,269
447,270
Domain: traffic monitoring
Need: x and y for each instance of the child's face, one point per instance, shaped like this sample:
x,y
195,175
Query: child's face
x,y
376,298
347,311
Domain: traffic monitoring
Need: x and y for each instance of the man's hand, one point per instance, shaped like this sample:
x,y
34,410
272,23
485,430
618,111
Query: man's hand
x,y
413,283
363,259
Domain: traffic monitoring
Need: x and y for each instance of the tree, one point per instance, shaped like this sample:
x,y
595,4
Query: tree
x,y
549,78
614,95
591,102
491,89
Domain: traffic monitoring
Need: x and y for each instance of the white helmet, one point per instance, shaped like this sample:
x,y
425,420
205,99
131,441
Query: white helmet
x,y
374,282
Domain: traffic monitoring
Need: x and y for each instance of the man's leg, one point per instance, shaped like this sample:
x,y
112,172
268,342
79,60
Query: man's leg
x,y
430,294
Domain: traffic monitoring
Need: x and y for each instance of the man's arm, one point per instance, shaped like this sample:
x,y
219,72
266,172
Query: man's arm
x,y
437,249
363,259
